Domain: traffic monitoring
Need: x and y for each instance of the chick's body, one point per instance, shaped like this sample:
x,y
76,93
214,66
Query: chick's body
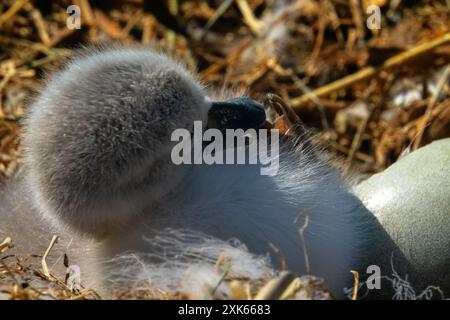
x,y
98,167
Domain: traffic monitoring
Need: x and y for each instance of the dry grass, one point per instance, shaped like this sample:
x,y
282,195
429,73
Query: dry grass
x,y
30,278
318,56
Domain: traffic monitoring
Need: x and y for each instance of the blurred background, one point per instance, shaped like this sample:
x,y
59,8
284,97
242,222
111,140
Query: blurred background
x,y
370,77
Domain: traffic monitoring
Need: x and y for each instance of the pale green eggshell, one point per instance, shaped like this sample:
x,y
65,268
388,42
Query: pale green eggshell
x,y
411,200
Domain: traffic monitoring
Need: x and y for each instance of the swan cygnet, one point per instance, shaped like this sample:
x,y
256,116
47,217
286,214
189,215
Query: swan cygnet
x,y
97,165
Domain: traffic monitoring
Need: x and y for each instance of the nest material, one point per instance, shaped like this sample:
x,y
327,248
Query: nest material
x,y
344,80
370,94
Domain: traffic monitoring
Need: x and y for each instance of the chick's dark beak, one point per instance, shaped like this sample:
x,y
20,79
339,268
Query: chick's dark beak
x,y
238,113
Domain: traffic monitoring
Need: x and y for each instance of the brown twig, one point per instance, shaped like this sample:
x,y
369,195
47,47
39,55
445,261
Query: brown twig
x,y
275,287
11,12
45,269
356,284
40,26
217,14
213,69
425,119
253,23
371,71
